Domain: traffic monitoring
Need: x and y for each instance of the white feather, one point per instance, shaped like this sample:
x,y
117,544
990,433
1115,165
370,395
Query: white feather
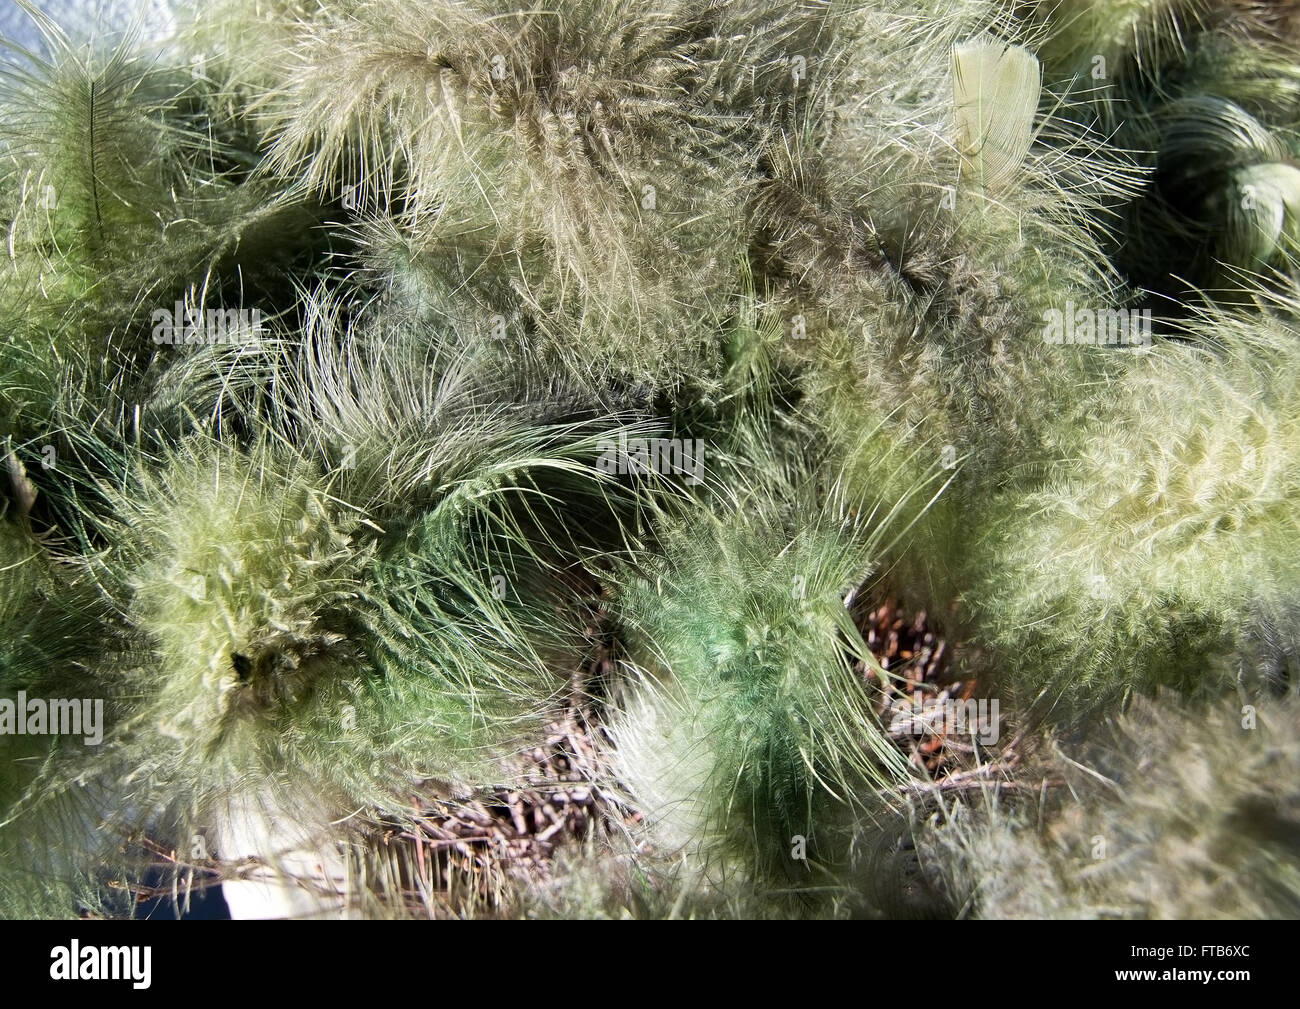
x,y
996,87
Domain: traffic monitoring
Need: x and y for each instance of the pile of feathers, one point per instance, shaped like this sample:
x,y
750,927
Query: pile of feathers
x,y
383,382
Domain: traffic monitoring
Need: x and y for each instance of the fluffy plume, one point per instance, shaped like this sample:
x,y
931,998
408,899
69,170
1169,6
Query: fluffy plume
x,y
1164,532
746,723
587,166
1196,817
1207,92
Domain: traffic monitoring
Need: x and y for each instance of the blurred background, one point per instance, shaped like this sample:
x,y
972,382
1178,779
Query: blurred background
x,y
85,18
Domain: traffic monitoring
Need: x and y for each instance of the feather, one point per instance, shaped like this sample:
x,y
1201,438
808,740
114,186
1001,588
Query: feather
x,y
995,95
1267,215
